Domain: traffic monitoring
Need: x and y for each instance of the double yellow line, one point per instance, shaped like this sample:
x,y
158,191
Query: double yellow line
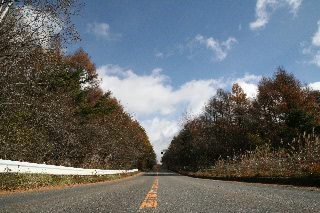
x,y
151,199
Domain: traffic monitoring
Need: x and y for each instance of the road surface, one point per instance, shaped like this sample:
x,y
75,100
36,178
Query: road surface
x,y
166,192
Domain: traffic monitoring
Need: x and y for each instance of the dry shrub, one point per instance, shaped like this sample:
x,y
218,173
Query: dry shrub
x,y
296,161
15,181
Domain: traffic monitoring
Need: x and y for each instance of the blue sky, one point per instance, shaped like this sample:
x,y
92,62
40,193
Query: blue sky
x,y
162,59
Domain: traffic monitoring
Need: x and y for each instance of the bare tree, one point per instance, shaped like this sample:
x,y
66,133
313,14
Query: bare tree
x,y
4,8
29,24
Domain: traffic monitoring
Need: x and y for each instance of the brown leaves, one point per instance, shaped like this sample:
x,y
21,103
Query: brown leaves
x,y
59,115
231,123
81,60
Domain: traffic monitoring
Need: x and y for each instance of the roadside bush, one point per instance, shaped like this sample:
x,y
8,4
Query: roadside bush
x,y
266,161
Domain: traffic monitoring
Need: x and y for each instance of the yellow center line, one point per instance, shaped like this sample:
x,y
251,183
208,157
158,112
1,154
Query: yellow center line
x,y
151,199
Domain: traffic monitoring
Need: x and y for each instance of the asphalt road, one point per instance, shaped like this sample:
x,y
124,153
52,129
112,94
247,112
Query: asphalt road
x,y
166,192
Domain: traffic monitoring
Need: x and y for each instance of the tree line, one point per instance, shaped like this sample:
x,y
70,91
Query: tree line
x,y
52,109
231,124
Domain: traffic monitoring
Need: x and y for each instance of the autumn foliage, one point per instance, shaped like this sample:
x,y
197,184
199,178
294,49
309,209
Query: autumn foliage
x,y
232,124
55,112
52,109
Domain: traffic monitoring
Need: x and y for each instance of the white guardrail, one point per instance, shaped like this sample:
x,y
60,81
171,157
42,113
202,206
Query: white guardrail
x,y
25,167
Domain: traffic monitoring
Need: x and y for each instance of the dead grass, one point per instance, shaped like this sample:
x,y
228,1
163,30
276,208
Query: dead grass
x,y
264,161
15,181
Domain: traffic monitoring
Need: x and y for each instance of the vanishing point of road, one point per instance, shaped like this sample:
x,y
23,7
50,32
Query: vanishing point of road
x,y
166,192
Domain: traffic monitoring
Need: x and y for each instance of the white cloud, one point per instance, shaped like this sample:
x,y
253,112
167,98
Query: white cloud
x,y
316,59
313,49
306,48
315,85
102,30
197,92
160,131
154,101
249,84
159,55
157,105
265,8
142,94
199,43
219,49
178,49
316,37
152,93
